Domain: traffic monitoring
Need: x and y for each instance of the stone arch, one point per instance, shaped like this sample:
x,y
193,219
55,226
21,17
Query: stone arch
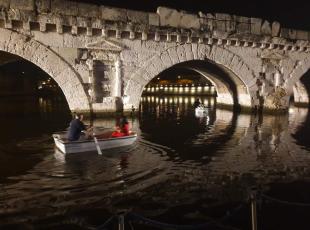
x,y
299,70
65,76
294,85
301,94
243,76
224,95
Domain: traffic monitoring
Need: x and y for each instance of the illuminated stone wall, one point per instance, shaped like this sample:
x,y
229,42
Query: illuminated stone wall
x,y
263,62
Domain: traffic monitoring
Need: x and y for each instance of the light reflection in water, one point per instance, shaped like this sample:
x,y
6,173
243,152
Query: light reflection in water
x,y
180,161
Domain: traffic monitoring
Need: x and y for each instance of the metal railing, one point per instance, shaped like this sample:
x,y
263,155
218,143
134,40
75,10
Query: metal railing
x,y
254,196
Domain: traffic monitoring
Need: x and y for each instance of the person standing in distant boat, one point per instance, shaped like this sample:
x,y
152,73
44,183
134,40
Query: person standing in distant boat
x,y
133,109
77,129
197,103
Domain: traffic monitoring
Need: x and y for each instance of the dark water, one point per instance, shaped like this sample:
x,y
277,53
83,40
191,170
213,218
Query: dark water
x,y
183,169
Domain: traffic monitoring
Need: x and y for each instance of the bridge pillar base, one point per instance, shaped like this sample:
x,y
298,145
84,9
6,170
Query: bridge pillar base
x,y
301,104
110,106
236,108
275,111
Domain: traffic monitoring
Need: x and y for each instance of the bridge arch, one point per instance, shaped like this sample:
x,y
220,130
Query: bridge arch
x,y
296,83
237,70
68,80
301,94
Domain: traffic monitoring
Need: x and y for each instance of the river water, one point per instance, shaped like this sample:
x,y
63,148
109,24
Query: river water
x,y
184,169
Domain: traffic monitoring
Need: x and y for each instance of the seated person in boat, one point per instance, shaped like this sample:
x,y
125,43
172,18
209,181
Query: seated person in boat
x,y
117,132
122,129
77,129
125,126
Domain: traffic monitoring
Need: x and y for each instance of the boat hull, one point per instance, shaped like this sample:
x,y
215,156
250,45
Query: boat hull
x,y
90,145
201,111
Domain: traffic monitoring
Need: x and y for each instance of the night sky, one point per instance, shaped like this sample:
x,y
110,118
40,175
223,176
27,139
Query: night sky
x,y
292,14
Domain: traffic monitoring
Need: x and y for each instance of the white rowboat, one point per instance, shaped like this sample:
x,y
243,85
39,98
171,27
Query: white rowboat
x,y
201,111
105,141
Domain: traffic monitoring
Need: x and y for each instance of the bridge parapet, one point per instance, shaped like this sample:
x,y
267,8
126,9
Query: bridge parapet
x,y
165,25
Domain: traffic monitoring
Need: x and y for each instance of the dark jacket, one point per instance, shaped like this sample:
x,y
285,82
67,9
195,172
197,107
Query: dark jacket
x,y
75,129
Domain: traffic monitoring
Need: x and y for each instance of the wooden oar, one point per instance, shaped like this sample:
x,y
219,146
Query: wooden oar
x,y
95,138
97,144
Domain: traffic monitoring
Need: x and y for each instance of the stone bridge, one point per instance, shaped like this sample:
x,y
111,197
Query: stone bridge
x,y
103,57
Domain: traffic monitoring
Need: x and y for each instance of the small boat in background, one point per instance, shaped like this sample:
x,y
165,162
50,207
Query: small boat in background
x,y
201,111
104,141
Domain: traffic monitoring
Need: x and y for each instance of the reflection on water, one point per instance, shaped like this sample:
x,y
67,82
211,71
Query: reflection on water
x,y
182,169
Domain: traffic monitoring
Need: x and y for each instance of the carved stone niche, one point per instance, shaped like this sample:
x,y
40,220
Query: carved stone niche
x,y
272,66
272,59
102,80
105,54
105,50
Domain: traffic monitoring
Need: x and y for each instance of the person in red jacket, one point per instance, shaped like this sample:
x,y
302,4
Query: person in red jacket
x,y
125,126
117,132
122,129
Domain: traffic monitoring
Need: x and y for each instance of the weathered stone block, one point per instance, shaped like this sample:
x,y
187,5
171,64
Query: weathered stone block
x,y
223,16
137,17
66,20
88,10
42,26
43,6
203,24
202,15
266,28
50,39
26,25
96,23
169,17
83,22
211,23
302,35
195,50
256,24
275,29
159,65
27,15
220,34
152,70
13,14
220,25
166,59
181,53
189,21
230,26
304,42
64,7
188,52
72,20
153,19
242,19
243,27
284,33
173,55
292,34
22,4
210,16
69,54
113,14
202,51
4,3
